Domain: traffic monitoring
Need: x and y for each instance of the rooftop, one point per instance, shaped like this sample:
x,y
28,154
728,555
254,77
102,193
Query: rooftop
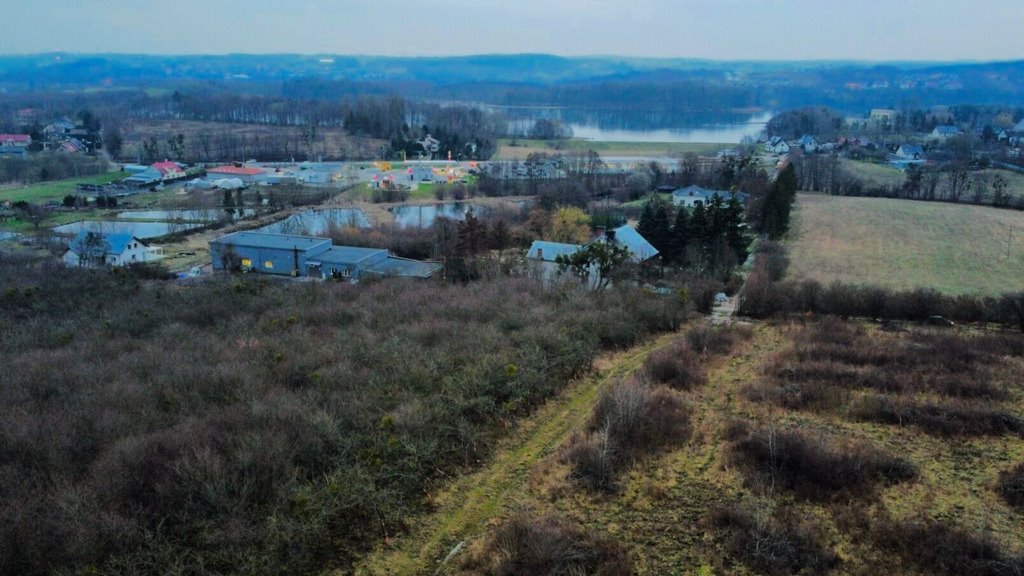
x,y
348,254
236,170
15,138
115,243
393,266
549,251
280,241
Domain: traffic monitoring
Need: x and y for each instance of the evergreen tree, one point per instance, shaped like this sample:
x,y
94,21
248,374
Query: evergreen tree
x,y
736,230
698,234
661,228
778,204
680,237
644,226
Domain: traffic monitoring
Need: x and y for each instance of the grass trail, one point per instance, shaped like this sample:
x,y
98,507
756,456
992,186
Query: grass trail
x,y
464,508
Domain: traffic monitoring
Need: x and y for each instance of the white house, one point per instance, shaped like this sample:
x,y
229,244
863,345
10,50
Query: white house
x,y
430,144
542,256
910,152
99,248
776,145
944,132
809,144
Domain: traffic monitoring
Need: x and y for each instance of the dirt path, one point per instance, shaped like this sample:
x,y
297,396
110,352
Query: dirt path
x,y
464,507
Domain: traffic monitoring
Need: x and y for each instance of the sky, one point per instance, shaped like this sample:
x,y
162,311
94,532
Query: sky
x,y
715,29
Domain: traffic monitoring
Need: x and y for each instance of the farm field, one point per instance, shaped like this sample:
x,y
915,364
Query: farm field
x,y
953,248
523,148
55,190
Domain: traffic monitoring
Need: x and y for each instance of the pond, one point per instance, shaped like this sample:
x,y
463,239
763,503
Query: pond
x,y
316,222
424,215
194,214
139,229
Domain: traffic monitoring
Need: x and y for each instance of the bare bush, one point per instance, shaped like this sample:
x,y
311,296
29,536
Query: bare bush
x,y
1011,486
772,543
937,548
676,366
946,418
816,466
529,546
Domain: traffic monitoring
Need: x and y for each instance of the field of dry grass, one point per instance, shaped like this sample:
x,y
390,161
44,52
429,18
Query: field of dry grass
x,y
698,508
953,248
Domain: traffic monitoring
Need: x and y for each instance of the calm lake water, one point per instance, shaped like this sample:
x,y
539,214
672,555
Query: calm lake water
x,y
198,215
424,215
635,126
316,222
138,229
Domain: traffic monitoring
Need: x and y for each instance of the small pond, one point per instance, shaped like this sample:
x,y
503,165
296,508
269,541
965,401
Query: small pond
x,y
316,222
139,229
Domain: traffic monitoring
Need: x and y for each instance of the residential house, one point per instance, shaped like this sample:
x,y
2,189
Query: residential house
x,y
160,172
59,128
910,152
693,194
72,145
91,248
430,145
776,145
809,144
247,174
1018,128
14,145
542,257
945,131
311,256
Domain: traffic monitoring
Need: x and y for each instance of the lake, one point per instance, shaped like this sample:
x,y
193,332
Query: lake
x,y
141,230
644,126
316,222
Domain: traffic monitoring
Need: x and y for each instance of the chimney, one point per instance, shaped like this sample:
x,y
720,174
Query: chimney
x,y
540,253
600,232
610,235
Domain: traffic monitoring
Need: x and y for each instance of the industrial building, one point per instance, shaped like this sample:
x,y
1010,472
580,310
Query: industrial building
x,y
311,256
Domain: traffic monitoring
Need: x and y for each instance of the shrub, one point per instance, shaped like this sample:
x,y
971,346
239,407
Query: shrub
x,y
630,420
529,546
1011,486
247,426
770,544
946,418
817,467
716,340
937,548
675,366
640,419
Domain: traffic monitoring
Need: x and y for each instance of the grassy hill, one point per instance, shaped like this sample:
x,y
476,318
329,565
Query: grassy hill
x,y
906,244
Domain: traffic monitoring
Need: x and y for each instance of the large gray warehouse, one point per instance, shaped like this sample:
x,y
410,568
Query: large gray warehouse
x,y
310,256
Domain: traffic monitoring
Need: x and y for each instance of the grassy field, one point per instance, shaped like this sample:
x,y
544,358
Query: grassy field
x,y
874,175
56,190
523,148
953,248
661,510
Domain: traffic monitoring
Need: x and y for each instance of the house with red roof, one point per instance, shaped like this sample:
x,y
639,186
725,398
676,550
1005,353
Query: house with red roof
x,y
156,173
247,174
12,145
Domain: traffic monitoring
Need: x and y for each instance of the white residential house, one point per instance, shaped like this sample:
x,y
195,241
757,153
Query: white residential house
x,y
430,144
91,248
776,145
809,144
943,132
910,152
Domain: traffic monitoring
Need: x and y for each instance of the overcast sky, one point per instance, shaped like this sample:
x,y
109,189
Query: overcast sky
x,y
719,29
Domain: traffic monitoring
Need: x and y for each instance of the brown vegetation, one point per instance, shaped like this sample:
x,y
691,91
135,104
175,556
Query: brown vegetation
x,y
631,419
816,466
533,546
1011,486
772,542
248,426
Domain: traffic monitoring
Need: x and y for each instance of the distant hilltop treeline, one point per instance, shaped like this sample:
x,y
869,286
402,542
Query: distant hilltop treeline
x,y
535,79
